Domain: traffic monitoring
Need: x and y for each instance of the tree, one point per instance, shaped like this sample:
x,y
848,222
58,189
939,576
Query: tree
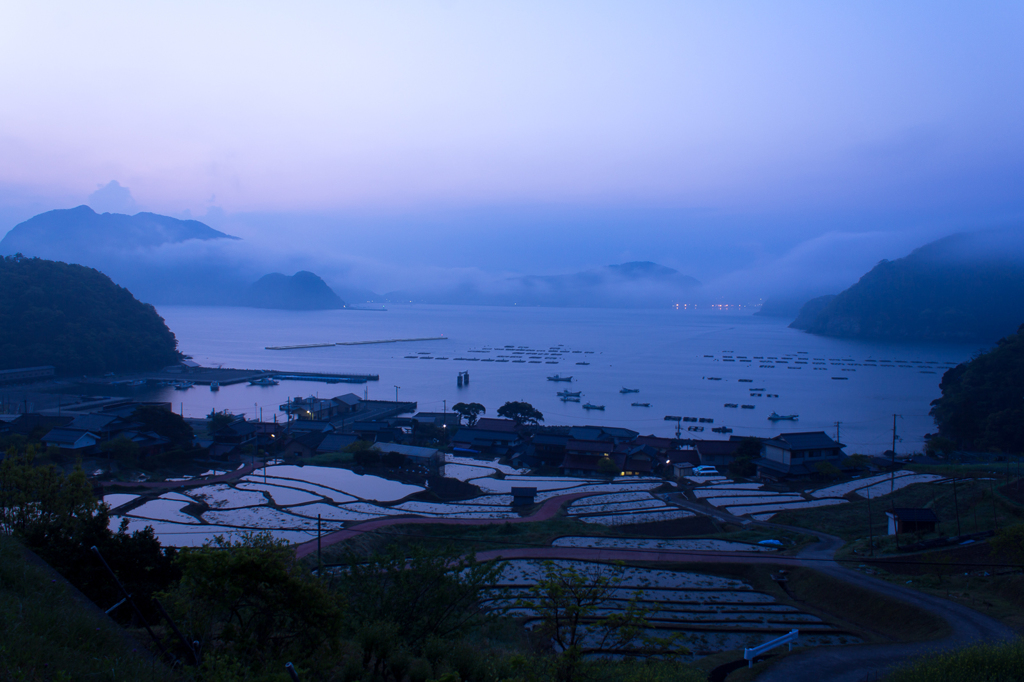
x,y
392,459
520,412
218,420
607,466
470,411
122,449
251,602
164,423
413,602
581,611
742,466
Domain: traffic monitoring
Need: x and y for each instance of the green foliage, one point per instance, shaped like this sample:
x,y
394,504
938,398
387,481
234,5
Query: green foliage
x,y
218,420
358,446
470,411
1010,543
250,604
392,460
121,449
607,466
45,634
1001,662
520,412
58,518
981,407
413,604
165,423
77,320
367,458
828,470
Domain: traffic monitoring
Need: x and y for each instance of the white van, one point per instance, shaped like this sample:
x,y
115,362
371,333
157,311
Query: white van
x,y
705,470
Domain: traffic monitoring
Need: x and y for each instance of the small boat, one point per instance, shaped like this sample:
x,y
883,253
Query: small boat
x,y
689,419
695,428
746,381
589,406
774,416
731,405
183,385
570,394
582,363
569,399
641,404
629,390
559,378
215,386
672,418
722,429
265,381
746,407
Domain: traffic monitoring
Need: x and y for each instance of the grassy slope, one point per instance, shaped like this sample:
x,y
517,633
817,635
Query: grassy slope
x,y
47,634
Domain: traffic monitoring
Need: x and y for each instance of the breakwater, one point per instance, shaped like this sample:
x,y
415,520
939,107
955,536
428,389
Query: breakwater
x,y
356,343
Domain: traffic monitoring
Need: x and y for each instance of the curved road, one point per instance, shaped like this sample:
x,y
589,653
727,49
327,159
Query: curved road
x,y
853,663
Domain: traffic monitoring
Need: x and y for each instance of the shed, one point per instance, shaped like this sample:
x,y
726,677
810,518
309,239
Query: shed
x,y
523,497
911,521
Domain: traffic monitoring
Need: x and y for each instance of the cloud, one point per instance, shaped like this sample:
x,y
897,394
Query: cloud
x,y
113,198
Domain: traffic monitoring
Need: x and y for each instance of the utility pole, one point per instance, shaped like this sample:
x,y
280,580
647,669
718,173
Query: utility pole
x,y
837,432
892,470
871,530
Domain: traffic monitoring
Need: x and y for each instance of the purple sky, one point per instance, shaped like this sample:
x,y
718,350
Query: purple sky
x,y
719,138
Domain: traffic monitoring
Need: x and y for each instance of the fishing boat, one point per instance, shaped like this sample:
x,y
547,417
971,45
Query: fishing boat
x,y
570,394
732,405
215,386
569,399
559,378
722,429
629,390
589,406
184,385
582,363
775,417
640,404
265,381
746,407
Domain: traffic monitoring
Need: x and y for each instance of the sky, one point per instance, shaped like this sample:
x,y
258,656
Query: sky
x,y
404,140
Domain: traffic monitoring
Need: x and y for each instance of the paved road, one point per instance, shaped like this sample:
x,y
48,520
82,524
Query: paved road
x,y
857,663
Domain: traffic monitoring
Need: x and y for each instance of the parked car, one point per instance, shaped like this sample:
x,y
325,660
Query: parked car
x,y
705,470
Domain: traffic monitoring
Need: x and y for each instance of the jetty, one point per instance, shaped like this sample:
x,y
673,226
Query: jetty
x,y
355,343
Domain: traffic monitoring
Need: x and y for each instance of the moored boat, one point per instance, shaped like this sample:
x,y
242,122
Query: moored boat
x,y
589,406
556,377
774,416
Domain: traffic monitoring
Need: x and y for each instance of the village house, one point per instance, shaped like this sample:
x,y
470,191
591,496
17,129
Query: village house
x,y
797,454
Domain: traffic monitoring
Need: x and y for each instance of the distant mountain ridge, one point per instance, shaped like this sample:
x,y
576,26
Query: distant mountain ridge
x,y
301,291
638,284
62,233
962,288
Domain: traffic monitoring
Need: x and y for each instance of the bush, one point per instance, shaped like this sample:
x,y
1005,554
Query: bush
x,y
979,663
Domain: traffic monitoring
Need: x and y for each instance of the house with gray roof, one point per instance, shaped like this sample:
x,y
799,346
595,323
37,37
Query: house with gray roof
x,y
797,454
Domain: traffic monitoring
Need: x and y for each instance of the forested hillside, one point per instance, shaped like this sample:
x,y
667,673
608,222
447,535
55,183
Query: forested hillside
x,y
982,403
76,319
962,288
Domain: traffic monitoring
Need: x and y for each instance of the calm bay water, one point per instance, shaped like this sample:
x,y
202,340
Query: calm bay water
x,y
670,356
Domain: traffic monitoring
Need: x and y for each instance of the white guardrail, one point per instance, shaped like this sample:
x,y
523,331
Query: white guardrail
x,y
751,654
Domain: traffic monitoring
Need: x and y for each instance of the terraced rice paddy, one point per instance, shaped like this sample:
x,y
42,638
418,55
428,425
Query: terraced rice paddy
x,y
286,500
875,486
741,499
688,545
714,613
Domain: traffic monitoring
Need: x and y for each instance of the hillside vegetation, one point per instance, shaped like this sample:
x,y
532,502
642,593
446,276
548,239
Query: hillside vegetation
x,y
981,407
76,319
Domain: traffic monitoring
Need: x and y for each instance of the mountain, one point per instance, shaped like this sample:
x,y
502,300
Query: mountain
x,y
809,312
64,233
628,285
301,291
962,288
76,319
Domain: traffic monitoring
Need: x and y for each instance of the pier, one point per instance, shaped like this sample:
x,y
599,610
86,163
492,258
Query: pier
x,y
355,343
